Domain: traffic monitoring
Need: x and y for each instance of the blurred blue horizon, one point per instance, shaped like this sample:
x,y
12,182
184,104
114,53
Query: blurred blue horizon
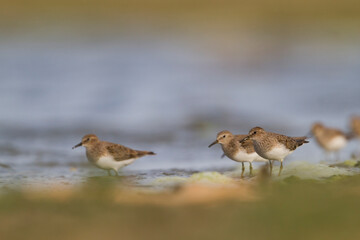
x,y
160,83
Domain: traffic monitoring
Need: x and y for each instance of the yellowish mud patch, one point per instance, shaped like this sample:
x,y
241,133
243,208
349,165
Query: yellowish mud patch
x,y
302,170
315,171
213,178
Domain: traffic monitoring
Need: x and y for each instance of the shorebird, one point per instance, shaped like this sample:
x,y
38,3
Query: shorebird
x,y
273,146
239,152
109,156
355,126
330,139
355,132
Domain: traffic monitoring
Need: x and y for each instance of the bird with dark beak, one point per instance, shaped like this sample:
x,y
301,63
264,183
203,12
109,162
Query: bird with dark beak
x,y
273,146
236,151
109,156
77,145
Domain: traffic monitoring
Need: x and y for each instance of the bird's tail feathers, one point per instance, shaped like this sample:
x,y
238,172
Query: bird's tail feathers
x,y
143,153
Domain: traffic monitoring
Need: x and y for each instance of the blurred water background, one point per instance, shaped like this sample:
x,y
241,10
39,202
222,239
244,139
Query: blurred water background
x,y
167,76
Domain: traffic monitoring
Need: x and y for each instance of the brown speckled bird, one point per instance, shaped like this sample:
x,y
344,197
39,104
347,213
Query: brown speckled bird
x,y
355,126
107,155
355,132
239,152
330,139
273,146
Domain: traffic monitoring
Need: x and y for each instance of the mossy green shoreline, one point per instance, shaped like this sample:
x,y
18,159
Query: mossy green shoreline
x,y
288,208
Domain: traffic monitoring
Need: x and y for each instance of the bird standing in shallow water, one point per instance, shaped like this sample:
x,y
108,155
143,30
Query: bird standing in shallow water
x,y
355,131
109,156
273,146
239,152
330,139
355,126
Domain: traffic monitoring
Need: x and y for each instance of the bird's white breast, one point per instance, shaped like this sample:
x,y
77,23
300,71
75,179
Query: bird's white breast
x,y
336,143
260,159
243,156
108,162
277,153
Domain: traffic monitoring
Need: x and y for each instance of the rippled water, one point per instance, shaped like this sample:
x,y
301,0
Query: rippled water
x,y
168,95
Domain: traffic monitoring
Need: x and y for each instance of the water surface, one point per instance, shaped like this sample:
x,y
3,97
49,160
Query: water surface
x,y
166,93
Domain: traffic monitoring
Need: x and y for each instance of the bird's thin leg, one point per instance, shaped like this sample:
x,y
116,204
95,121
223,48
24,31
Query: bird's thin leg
x,y
251,168
243,169
327,159
337,156
356,154
109,172
270,166
116,172
281,168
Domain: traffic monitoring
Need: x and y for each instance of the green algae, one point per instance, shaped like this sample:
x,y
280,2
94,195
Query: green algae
x,y
292,172
347,164
169,181
202,177
306,170
299,209
210,177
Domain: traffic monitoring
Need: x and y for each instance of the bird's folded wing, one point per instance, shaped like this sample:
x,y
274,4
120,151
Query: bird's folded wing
x,y
289,142
121,153
247,144
332,133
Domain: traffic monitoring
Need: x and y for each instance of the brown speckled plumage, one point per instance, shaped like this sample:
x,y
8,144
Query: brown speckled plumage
x,y
355,126
232,147
238,151
273,146
232,144
324,135
96,148
269,140
107,155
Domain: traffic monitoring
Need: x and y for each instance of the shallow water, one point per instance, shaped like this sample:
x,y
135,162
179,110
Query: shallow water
x,y
48,176
170,95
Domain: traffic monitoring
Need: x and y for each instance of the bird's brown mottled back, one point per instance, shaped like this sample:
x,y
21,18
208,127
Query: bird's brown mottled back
x,y
247,144
122,153
327,133
291,142
96,148
268,140
324,135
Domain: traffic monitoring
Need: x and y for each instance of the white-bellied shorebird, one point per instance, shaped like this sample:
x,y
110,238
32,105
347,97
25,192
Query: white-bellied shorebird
x,y
239,152
273,146
107,156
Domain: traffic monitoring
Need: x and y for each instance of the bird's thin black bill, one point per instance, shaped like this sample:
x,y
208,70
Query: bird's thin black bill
x,y
215,142
77,145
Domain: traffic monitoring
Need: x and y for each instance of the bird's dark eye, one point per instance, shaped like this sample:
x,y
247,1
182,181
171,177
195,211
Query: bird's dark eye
x,y
88,139
224,136
255,132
